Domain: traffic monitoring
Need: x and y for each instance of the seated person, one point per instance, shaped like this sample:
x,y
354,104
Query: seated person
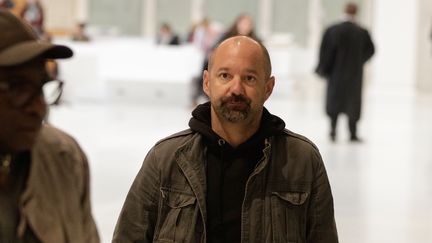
x,y
80,33
166,36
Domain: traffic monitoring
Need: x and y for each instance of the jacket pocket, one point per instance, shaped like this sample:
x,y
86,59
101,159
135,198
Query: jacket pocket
x,y
175,215
289,216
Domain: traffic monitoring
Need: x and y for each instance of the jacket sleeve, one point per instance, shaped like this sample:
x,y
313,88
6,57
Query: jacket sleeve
x,y
88,224
321,223
138,216
369,47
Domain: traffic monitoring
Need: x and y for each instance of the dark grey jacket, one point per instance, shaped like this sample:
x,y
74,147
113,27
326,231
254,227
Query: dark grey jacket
x,y
287,198
56,201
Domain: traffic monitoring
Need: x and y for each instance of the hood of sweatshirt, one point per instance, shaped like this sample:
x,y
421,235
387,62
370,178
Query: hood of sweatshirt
x,y
201,123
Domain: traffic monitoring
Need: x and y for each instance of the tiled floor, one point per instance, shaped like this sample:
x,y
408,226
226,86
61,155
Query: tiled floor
x,y
382,188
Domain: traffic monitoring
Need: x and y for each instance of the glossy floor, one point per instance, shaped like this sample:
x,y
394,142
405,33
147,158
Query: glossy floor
x,y
382,187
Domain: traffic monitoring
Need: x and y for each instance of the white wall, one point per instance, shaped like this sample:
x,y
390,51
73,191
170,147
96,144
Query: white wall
x,y
62,14
394,32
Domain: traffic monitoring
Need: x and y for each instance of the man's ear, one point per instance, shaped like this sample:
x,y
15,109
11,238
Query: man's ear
x,y
206,83
269,87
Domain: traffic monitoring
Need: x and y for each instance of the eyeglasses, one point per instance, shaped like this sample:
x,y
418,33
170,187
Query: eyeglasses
x,y
22,93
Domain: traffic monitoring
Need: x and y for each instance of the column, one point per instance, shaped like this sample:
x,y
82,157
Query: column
x,y
315,25
197,11
265,15
424,46
149,18
81,8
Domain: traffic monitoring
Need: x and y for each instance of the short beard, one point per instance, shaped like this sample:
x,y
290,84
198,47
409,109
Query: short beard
x,y
234,115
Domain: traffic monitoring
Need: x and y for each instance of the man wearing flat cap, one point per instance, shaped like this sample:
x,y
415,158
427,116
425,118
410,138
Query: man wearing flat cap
x,y
44,174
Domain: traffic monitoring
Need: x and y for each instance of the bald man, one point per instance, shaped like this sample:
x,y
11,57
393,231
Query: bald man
x,y
236,175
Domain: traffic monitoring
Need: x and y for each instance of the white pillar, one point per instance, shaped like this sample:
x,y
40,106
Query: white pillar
x,y
81,10
265,17
315,16
367,13
149,18
424,46
197,11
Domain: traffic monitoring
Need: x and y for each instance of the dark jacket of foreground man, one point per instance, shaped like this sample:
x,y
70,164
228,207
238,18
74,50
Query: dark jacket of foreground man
x,y
287,196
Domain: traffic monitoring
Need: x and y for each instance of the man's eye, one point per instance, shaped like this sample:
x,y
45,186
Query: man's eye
x,y
250,79
224,76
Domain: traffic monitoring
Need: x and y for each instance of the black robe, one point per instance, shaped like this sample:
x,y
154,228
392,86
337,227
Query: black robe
x,y
344,50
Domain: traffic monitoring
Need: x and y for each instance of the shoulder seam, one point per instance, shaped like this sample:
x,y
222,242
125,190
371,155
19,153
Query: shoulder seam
x,y
176,135
300,137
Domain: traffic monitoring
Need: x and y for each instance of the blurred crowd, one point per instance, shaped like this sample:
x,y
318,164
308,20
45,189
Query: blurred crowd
x,y
32,12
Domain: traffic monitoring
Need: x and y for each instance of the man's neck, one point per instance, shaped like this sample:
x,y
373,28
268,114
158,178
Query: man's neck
x,y
234,133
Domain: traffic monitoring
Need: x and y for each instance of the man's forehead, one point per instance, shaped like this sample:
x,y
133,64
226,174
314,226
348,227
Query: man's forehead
x,y
228,54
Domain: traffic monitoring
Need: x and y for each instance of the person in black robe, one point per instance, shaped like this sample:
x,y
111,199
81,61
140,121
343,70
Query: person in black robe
x,y
345,48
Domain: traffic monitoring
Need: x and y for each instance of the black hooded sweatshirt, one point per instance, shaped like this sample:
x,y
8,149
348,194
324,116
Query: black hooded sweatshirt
x,y
227,171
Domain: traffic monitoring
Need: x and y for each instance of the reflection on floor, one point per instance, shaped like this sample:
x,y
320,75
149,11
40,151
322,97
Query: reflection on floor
x,y
382,188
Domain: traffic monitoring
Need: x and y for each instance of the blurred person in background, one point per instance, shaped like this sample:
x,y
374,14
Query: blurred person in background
x,y
79,34
237,174
191,33
6,4
166,36
205,36
44,174
243,25
33,14
345,48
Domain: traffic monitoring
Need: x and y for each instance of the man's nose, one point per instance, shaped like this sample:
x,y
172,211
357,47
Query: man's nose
x,y
237,87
